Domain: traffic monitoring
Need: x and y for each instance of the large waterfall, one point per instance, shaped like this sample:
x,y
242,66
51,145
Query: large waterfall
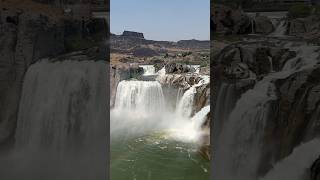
x,y
148,132
239,148
141,104
61,129
142,96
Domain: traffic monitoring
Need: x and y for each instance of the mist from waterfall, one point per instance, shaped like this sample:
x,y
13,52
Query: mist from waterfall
x,y
239,147
296,166
61,127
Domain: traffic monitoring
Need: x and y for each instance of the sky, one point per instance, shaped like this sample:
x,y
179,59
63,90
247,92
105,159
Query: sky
x,y
167,20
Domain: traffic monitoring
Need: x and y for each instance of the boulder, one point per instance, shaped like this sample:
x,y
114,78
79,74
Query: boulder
x,y
228,20
263,25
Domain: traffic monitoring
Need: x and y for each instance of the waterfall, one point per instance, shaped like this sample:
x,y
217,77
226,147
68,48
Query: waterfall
x,y
240,144
280,30
252,26
196,68
61,126
179,96
62,104
142,96
199,118
149,70
238,150
226,100
185,106
162,72
296,166
140,109
271,64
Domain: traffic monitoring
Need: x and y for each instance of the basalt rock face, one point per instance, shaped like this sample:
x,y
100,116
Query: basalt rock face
x,y
263,25
293,116
307,28
177,68
297,117
119,73
230,21
184,82
131,34
252,60
24,38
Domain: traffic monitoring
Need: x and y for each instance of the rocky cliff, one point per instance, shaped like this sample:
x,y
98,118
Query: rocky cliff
x,y
282,82
29,32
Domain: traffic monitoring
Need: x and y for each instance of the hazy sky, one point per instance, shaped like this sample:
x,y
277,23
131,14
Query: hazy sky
x,y
162,19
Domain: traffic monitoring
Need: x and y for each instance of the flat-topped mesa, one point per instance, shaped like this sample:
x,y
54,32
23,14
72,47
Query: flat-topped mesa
x,y
133,34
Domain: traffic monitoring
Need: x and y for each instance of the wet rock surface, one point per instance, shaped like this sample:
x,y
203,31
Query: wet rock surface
x,y
293,117
28,35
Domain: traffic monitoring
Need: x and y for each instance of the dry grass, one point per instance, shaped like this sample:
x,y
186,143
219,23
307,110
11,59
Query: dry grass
x,y
116,57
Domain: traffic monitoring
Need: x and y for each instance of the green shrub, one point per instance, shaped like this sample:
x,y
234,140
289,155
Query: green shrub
x,y
299,11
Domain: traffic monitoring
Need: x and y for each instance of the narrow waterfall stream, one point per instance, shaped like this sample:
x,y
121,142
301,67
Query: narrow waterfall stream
x,y
280,29
150,141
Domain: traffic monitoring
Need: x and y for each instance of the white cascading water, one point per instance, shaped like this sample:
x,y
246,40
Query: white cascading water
x,y
239,148
199,118
280,30
297,165
142,96
196,68
184,108
62,120
140,108
225,103
149,70
62,103
179,96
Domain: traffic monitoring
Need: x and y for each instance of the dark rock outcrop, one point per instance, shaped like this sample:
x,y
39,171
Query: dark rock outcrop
x,y
24,38
132,34
177,68
307,28
144,52
263,25
292,117
230,21
31,33
119,73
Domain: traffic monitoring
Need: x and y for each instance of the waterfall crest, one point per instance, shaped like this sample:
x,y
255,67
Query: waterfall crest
x,y
280,30
62,105
149,70
142,96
